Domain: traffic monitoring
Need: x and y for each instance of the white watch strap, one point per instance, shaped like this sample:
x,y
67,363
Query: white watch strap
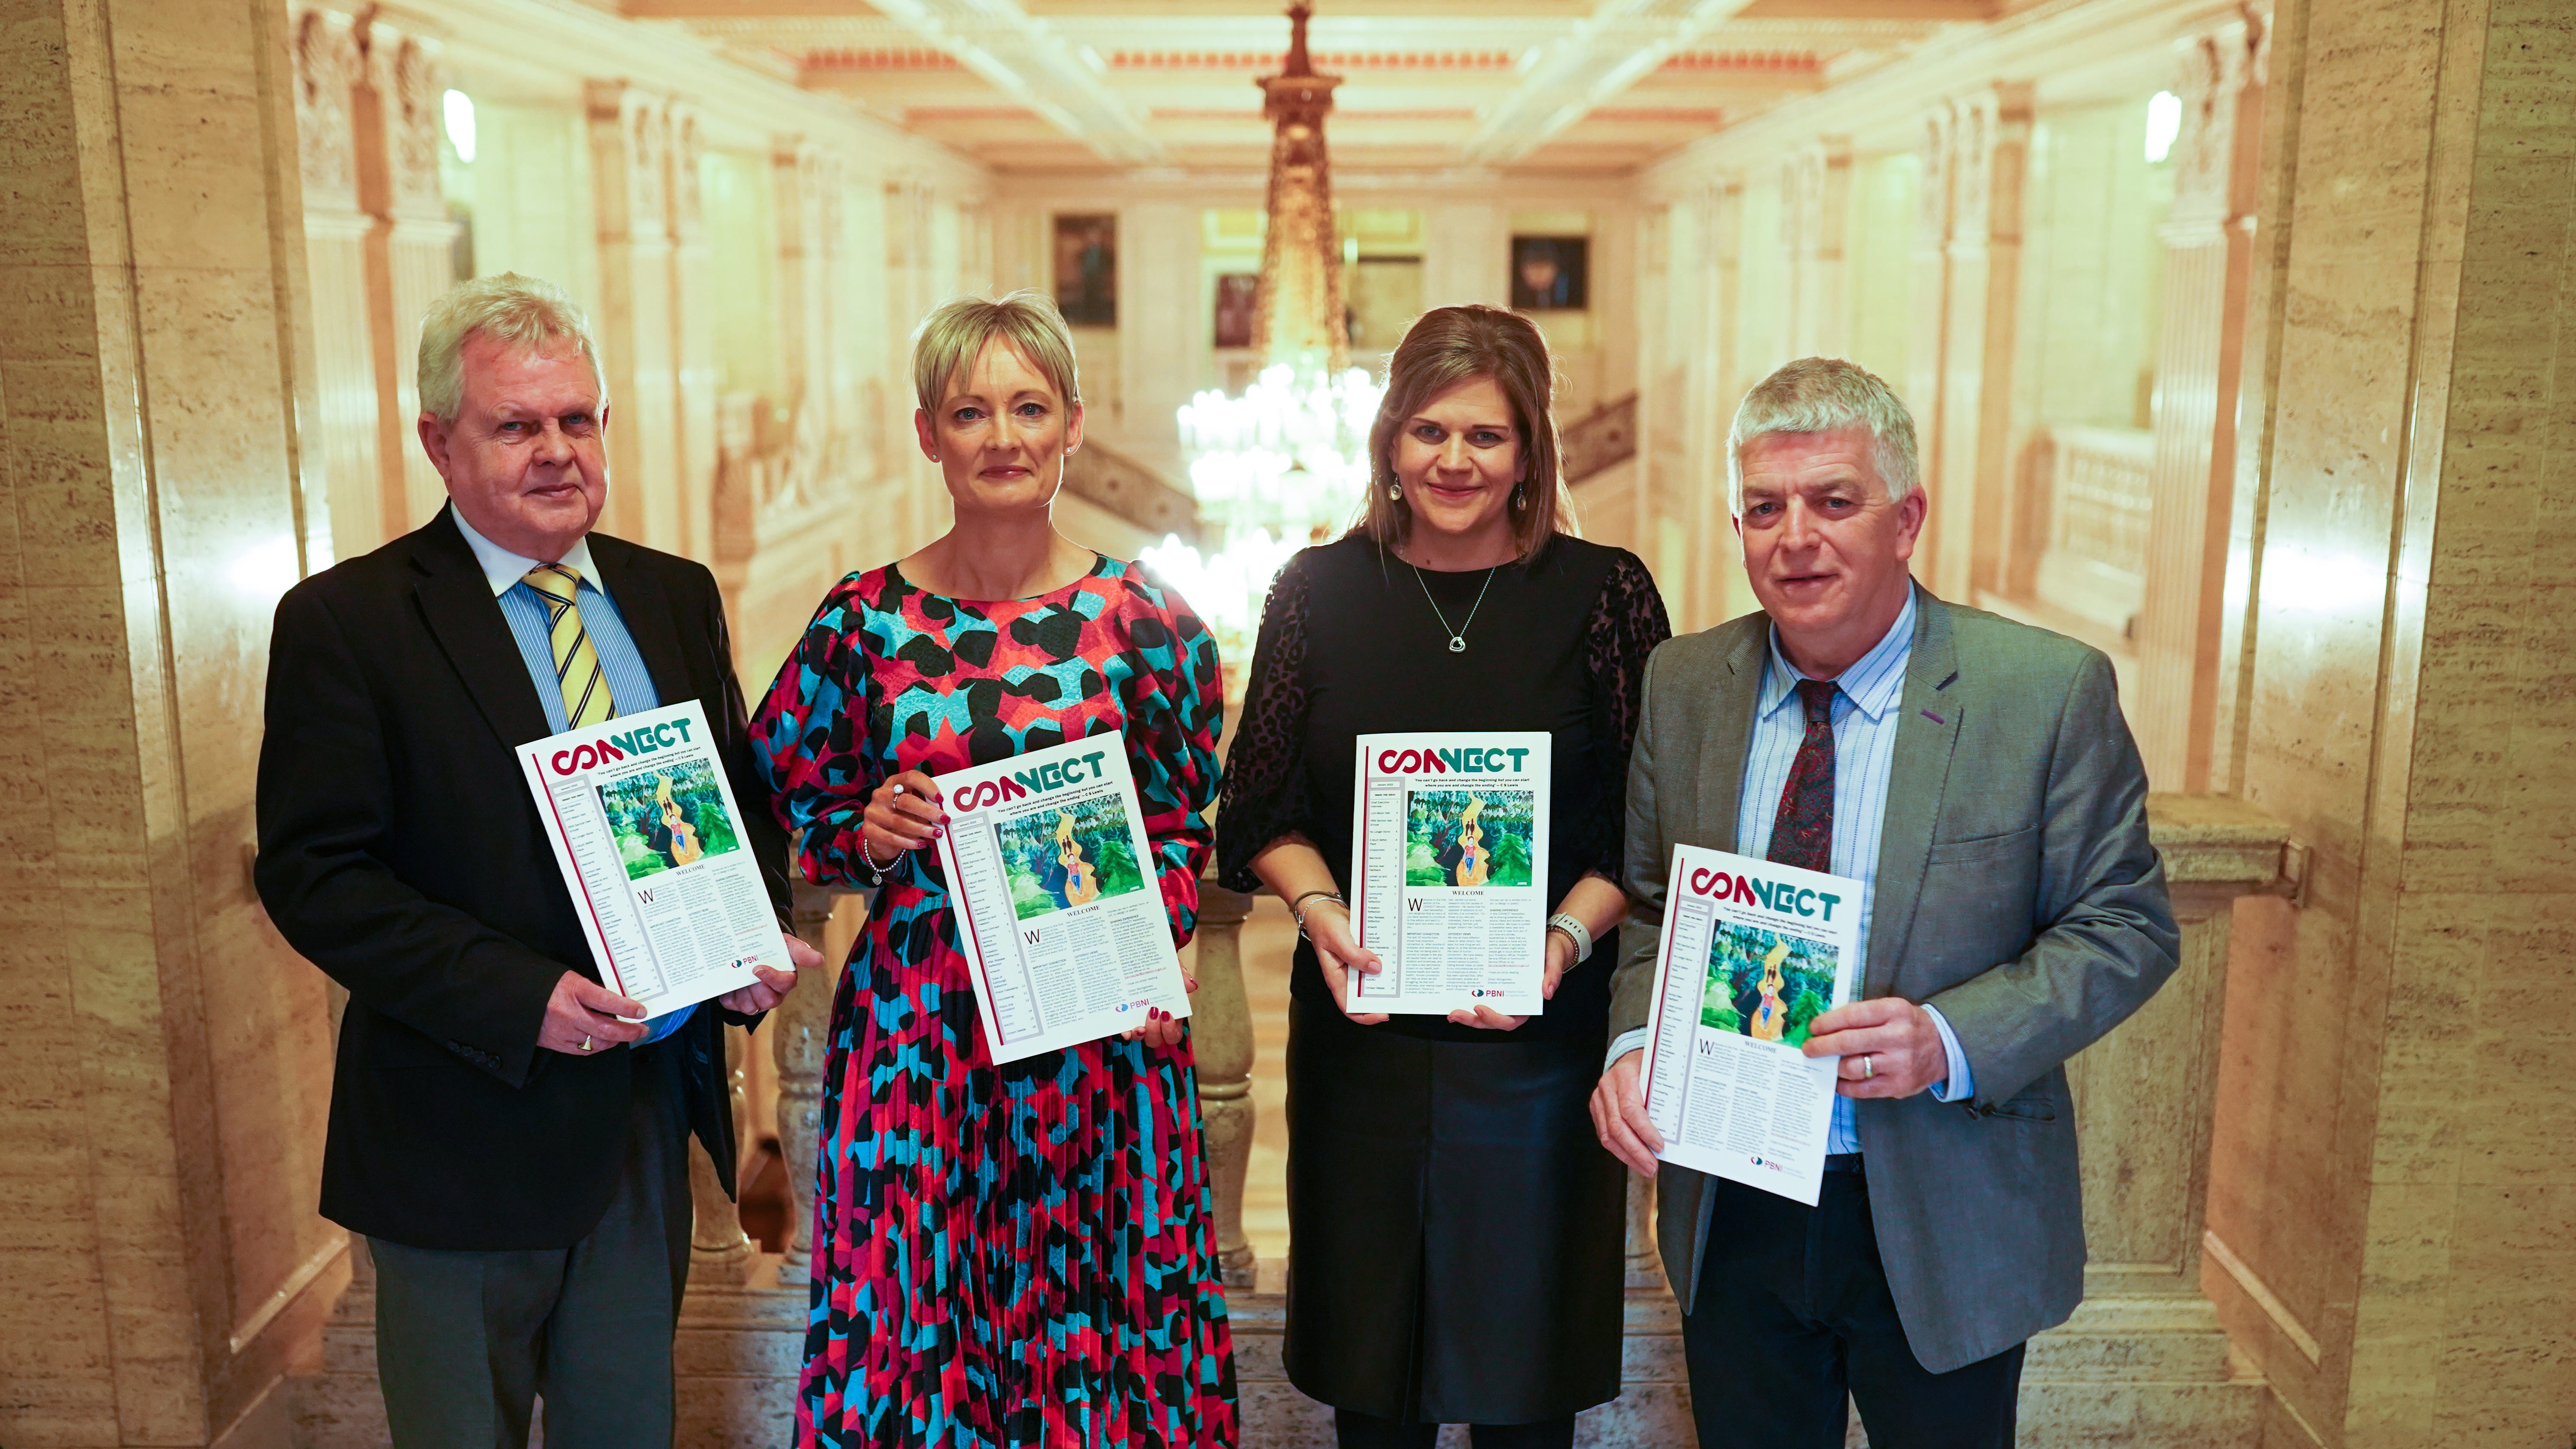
x,y
1575,931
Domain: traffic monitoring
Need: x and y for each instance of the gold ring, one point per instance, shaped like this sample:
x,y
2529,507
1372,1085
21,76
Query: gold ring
x,y
585,1044
1868,1066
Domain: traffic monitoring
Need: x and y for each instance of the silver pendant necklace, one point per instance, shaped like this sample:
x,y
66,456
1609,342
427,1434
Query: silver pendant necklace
x,y
1457,636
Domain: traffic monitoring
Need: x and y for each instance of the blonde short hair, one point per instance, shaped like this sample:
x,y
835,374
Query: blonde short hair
x,y
522,313
1819,395
1443,348
950,339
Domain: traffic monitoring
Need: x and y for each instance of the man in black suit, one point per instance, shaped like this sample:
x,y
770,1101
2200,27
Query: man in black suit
x,y
507,1134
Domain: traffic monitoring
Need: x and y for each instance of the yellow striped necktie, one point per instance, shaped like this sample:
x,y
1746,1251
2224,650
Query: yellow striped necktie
x,y
577,672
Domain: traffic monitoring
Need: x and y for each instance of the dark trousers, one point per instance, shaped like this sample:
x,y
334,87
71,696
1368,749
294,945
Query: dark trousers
x,y
1354,1430
1793,1312
467,1341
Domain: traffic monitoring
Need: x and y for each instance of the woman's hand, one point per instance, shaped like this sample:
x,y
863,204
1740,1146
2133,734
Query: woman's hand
x,y
904,814
1560,959
1328,926
1160,1030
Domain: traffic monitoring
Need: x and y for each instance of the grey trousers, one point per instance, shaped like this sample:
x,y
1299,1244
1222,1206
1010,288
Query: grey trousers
x,y
466,1342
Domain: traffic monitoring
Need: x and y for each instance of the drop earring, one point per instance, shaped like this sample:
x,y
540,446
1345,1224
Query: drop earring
x,y
1517,495
1395,493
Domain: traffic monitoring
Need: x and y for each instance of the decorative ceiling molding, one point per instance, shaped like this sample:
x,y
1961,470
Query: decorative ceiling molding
x,y
1169,82
1601,56
1022,57
907,58
934,114
1248,60
1659,115
1755,62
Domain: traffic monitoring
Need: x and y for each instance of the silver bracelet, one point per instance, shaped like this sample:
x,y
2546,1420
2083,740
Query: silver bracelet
x,y
1298,908
1575,931
876,872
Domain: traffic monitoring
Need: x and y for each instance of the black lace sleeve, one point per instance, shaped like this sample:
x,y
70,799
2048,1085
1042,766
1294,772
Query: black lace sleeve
x,y
1628,621
1266,792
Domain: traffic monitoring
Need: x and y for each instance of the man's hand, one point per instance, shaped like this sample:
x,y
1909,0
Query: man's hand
x,y
582,1018
1619,1116
773,986
1889,1047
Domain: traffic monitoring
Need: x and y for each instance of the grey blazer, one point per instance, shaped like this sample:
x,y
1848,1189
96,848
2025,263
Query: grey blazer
x,y
2016,891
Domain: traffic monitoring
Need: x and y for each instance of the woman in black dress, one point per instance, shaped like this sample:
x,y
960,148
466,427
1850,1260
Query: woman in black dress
x,y
1455,1225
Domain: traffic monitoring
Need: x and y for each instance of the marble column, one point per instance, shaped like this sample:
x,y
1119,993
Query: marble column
x,y
2145,1095
1815,217
1989,135
2209,243
1159,328
2395,1187
1929,260
344,436
167,1057
690,517
805,194
410,252
2145,1359
1718,384
630,172
923,509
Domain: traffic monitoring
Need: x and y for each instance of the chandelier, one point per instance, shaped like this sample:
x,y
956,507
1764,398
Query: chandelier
x,y
1285,463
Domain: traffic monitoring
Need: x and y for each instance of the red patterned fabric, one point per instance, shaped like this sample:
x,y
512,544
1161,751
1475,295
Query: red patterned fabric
x,y
1017,1255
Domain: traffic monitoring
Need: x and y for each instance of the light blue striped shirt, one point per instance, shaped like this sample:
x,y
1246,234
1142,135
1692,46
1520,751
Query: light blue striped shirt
x,y
630,684
1864,721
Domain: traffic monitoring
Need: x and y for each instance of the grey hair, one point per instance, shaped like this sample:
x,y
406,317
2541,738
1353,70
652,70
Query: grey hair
x,y
522,313
1818,395
953,336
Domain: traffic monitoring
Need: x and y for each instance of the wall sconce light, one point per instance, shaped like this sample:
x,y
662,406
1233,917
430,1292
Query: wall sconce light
x,y
2164,125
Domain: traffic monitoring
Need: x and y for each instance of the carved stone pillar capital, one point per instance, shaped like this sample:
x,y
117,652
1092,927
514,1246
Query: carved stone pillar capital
x,y
411,87
328,63
1936,146
1989,139
2217,76
688,150
630,136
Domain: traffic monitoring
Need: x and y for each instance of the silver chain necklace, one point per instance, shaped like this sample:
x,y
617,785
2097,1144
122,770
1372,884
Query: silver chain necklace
x,y
1457,636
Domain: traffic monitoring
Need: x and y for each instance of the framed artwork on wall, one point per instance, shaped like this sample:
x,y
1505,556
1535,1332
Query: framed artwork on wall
x,y
1238,297
1086,269
1551,273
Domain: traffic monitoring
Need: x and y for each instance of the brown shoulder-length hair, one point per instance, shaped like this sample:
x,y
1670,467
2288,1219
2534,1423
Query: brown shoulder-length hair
x,y
1443,348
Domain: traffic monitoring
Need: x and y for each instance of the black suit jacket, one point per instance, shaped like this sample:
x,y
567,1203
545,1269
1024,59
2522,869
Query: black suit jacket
x,y
401,852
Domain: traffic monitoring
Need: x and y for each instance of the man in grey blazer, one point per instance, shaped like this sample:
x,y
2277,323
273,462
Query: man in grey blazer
x,y
1977,776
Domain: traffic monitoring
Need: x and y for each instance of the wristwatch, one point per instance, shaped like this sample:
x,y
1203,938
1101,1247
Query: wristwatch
x,y
1575,931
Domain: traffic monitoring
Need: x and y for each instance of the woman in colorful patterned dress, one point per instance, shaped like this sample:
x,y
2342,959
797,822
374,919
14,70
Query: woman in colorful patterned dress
x,y
1022,1254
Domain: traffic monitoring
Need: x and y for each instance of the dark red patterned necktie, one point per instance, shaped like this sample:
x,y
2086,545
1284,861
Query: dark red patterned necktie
x,y
1802,834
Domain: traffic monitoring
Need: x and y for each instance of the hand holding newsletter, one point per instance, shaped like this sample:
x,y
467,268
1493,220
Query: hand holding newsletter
x,y
651,845
1752,953
1058,905
1449,871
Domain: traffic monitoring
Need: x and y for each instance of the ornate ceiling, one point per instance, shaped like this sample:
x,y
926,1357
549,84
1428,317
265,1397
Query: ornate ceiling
x,y
1566,86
